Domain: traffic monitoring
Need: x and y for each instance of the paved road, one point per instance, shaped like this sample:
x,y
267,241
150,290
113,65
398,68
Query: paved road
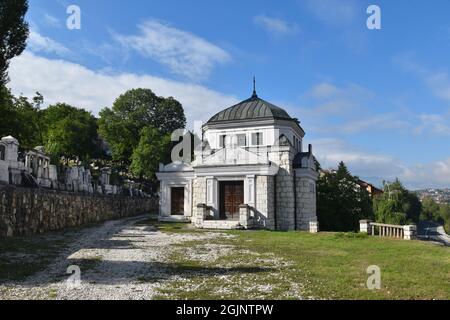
x,y
433,231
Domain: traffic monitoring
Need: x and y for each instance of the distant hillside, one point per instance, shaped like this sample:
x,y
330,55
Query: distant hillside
x,y
438,195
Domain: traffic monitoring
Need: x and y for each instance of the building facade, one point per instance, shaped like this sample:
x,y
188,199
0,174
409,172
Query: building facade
x,y
249,172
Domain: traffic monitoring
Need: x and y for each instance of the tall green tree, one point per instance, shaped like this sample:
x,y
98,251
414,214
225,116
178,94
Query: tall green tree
x,y
70,132
153,148
29,130
8,113
341,203
13,33
397,205
20,118
133,111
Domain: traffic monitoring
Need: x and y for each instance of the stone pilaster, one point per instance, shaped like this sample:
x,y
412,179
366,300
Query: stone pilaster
x,y
365,227
264,206
200,214
245,220
284,156
410,232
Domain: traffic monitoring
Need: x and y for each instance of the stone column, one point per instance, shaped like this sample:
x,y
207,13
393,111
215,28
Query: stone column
x,y
365,227
410,232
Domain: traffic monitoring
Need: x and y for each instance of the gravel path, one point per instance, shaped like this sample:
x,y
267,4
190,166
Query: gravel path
x,y
118,260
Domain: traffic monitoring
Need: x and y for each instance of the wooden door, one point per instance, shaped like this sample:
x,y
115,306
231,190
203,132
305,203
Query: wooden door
x,y
232,196
177,201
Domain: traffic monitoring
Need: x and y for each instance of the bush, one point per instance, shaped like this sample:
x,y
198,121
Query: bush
x,y
341,203
351,235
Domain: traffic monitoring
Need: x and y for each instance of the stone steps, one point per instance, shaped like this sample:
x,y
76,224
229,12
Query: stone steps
x,y
221,224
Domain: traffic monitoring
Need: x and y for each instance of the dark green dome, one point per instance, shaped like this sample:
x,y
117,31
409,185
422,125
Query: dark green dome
x,y
251,109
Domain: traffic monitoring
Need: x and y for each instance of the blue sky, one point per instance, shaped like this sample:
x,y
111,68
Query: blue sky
x,y
377,99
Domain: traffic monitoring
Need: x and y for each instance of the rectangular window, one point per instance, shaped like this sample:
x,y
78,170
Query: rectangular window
x,y
222,139
241,140
257,139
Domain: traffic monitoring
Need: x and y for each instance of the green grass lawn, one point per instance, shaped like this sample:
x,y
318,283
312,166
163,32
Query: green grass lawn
x,y
269,265
335,267
324,265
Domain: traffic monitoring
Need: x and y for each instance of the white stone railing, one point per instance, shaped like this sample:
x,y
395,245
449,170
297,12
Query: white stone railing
x,y
408,232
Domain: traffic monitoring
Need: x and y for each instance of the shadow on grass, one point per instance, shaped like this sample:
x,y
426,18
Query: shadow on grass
x,y
97,271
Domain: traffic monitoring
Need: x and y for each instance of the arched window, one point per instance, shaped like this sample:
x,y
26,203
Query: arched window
x,y
2,152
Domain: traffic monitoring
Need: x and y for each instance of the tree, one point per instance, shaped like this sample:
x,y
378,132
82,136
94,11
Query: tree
x,y
153,148
29,131
397,205
430,209
8,114
341,203
433,211
21,118
70,132
13,33
444,216
134,110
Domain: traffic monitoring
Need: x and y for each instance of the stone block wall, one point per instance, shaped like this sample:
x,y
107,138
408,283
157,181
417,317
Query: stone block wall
x,y
306,204
199,193
31,211
264,211
285,191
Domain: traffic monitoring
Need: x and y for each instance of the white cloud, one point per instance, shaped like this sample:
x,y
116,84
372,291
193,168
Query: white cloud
x,y
62,81
435,174
375,122
438,82
433,123
330,151
325,90
38,43
334,12
329,99
184,53
276,26
51,20
378,167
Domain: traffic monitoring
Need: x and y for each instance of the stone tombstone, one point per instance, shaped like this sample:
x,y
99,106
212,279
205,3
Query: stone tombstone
x,y
4,172
9,165
79,179
11,147
105,176
53,173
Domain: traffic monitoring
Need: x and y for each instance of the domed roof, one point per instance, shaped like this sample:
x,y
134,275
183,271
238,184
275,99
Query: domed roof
x,y
253,108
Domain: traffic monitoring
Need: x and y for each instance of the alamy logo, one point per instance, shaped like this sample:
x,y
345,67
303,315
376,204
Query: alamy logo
x,y
374,280
374,20
74,281
73,22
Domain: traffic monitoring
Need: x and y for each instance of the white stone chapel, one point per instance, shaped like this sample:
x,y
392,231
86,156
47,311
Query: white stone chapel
x,y
250,173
